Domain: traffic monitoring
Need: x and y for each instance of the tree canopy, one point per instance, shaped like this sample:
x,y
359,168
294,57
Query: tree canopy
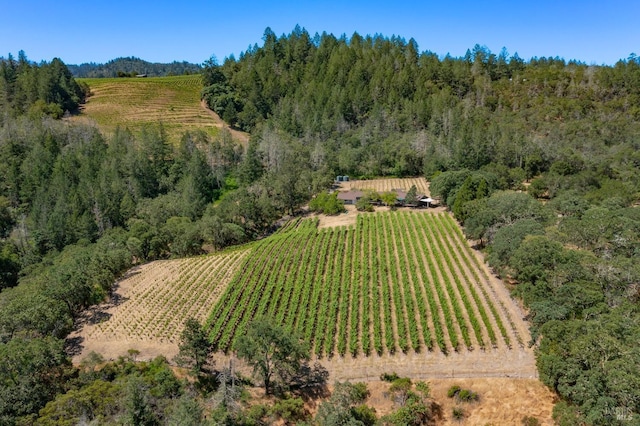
x,y
275,354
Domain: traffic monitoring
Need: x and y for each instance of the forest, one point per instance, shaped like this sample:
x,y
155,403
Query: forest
x,y
537,158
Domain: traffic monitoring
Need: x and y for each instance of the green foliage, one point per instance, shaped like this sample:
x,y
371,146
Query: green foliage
x,y
453,391
364,204
132,66
39,89
365,106
458,413
32,371
414,413
413,408
141,393
194,347
500,209
186,411
326,203
462,395
290,410
412,196
389,377
565,414
96,401
400,389
466,395
9,264
360,392
507,239
364,414
345,407
274,353
138,406
389,198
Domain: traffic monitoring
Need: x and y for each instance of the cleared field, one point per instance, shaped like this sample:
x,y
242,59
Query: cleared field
x,y
155,299
137,102
382,185
397,282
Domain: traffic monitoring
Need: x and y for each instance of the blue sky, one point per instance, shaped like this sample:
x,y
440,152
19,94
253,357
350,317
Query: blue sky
x,y
598,32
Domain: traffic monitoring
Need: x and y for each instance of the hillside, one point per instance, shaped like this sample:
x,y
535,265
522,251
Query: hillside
x,y
138,102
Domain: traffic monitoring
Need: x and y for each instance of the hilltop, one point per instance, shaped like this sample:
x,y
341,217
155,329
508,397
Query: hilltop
x,y
132,66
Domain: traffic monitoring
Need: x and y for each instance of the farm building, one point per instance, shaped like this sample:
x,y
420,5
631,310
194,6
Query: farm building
x,y
426,201
350,197
401,196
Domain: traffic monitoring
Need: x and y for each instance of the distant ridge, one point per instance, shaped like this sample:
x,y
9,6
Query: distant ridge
x,y
131,66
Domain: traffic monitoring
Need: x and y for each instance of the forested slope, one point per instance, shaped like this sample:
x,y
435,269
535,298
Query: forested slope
x,y
375,105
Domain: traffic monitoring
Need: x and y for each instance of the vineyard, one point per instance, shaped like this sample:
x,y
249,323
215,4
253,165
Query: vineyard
x,y
158,297
383,185
136,102
397,282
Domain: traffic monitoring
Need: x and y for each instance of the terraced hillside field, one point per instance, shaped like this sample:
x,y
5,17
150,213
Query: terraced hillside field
x,y
388,184
151,304
136,102
397,282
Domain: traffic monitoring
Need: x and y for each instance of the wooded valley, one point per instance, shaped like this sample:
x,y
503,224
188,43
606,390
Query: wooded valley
x,y
538,159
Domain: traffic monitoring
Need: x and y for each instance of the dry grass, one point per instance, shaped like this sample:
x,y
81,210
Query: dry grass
x,y
503,401
136,102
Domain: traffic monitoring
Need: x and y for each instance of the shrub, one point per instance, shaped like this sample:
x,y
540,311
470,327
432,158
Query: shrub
x,y
365,414
360,392
462,395
453,391
424,388
457,413
327,203
466,395
389,377
530,421
290,410
364,204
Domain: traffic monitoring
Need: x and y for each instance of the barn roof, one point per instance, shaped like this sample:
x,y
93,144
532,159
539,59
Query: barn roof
x,y
352,196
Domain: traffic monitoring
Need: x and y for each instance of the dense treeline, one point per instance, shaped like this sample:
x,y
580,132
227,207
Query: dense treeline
x,y
130,67
574,264
37,89
377,106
